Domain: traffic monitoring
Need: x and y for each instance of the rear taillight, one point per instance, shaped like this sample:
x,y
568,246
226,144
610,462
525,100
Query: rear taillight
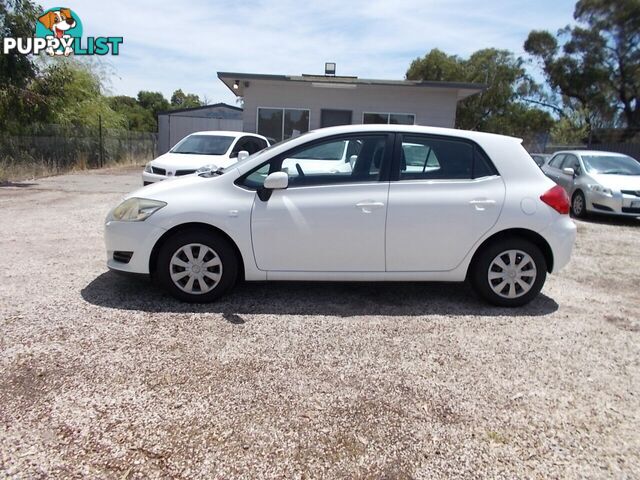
x,y
557,199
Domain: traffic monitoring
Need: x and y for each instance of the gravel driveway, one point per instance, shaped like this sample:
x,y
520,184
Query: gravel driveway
x,y
106,377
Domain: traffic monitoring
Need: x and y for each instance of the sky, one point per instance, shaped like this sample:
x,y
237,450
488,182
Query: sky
x,y
171,44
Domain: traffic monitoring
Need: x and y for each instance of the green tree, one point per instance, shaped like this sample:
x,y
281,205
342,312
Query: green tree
x,y
74,94
179,99
137,118
597,69
154,102
17,19
501,107
17,71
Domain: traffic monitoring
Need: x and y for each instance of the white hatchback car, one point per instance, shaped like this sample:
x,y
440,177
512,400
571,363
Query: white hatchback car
x,y
417,204
202,150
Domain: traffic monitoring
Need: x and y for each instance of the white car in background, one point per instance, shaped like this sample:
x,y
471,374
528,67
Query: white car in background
x,y
417,204
213,149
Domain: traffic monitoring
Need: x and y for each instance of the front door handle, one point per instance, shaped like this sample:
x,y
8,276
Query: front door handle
x,y
368,207
483,204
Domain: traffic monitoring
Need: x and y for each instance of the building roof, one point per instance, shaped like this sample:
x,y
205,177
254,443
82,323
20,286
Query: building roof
x,y
229,78
203,107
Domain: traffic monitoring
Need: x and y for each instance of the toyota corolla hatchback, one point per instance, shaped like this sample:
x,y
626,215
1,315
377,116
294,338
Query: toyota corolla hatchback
x,y
407,203
597,182
202,150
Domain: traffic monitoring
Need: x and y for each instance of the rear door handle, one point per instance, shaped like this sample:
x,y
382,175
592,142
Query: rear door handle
x,y
482,205
368,207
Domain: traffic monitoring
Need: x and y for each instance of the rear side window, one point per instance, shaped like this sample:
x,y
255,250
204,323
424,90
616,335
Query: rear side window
x,y
424,157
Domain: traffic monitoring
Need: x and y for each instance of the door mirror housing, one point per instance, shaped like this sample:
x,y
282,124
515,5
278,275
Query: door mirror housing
x,y
242,154
274,181
569,171
352,160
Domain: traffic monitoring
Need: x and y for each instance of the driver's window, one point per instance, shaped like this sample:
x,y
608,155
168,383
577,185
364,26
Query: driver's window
x,y
571,161
339,160
245,143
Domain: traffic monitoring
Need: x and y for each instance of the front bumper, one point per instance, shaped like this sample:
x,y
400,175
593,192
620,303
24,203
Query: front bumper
x,y
148,178
137,238
616,204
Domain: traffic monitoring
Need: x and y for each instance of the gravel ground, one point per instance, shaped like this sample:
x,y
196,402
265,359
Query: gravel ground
x,y
106,377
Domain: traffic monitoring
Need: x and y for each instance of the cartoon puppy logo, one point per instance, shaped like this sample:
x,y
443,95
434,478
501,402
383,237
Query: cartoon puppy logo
x,y
59,21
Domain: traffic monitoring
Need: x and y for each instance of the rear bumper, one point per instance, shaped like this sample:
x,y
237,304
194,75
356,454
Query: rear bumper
x,y
561,236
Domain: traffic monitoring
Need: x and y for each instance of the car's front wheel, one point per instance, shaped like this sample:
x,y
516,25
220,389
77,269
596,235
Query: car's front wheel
x,y
578,205
197,266
509,272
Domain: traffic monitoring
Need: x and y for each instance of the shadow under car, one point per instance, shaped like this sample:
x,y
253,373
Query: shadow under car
x,y
342,299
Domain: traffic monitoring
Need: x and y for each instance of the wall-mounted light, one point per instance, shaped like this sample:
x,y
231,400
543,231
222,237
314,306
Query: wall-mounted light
x,y
330,68
236,85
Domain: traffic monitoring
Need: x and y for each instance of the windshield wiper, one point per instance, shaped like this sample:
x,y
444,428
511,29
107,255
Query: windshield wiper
x,y
211,173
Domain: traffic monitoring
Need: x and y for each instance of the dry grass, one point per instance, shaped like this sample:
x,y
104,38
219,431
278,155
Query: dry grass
x,y
11,171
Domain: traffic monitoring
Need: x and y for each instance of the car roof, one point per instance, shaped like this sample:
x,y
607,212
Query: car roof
x,y
227,133
376,127
597,153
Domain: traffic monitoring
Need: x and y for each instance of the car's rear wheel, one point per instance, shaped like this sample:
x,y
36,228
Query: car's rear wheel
x,y
509,272
197,266
578,205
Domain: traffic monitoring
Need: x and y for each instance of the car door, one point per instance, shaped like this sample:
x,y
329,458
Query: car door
x,y
552,169
564,179
446,196
325,221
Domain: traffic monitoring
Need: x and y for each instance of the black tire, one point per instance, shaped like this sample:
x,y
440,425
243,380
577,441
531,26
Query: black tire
x,y
221,247
578,201
479,274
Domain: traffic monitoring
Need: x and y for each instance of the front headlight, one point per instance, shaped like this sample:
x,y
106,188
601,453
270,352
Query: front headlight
x,y
600,189
147,168
136,209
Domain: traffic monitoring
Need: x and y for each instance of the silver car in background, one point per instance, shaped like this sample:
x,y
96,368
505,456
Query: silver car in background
x,y
598,182
540,158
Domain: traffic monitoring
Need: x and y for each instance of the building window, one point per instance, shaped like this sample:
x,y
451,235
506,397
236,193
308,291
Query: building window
x,y
392,118
281,123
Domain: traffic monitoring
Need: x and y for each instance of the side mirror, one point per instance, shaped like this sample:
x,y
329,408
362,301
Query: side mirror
x,y
569,171
352,160
242,154
274,181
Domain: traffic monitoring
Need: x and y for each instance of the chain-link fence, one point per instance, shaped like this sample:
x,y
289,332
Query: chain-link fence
x,y
625,141
52,149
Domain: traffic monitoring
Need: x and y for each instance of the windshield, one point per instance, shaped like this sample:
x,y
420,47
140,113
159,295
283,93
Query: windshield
x,y
611,164
203,145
